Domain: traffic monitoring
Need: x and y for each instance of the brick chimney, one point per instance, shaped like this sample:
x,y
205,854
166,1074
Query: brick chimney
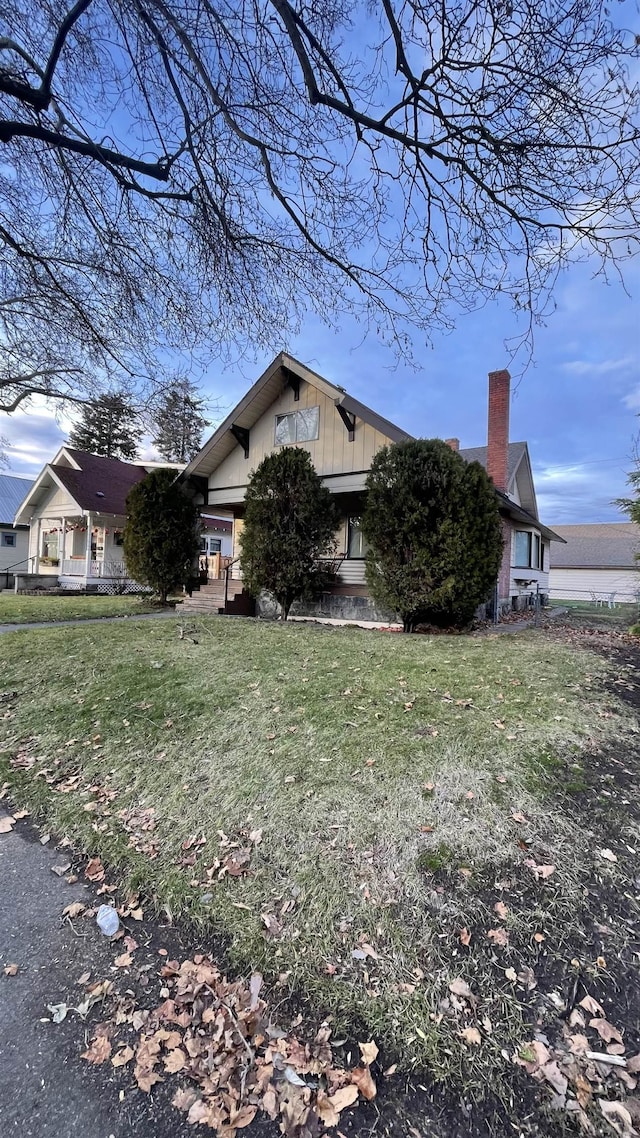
x,y
498,429
453,443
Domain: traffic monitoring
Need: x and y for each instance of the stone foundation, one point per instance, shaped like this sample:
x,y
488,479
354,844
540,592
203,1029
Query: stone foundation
x,y
330,606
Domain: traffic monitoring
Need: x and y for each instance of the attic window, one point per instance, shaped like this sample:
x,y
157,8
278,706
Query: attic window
x,y
298,427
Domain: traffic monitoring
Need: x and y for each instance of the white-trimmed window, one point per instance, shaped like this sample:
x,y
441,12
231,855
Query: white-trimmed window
x,y
9,540
298,426
50,544
528,550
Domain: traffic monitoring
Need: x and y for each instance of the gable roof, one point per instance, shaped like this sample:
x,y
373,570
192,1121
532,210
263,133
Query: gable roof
x,y
12,491
259,398
99,484
517,452
597,545
94,483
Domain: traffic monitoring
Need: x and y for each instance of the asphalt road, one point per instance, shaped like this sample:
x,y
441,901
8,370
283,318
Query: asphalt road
x,y
46,1089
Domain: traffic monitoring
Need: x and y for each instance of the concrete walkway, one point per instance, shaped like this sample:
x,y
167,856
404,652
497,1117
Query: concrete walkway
x,y
92,620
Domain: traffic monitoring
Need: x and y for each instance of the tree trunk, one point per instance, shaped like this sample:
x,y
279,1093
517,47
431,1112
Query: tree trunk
x,y
408,624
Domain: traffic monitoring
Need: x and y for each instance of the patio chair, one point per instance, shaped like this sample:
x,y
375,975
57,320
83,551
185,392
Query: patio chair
x,y
612,600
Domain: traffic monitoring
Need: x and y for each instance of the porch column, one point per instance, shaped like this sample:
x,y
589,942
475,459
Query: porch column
x,y
87,554
62,546
36,561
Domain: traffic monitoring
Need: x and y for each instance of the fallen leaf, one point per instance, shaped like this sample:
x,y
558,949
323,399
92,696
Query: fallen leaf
x,y
362,1077
60,870
511,974
198,1112
124,961
369,1052
11,969
459,987
633,1064
175,1061
74,909
98,1051
554,1076
465,936
618,1117
518,817
122,1057
608,855
146,1078
136,915
7,823
469,795
272,925
538,937
606,1030
344,1097
545,871
592,1006
471,1035
243,1117
325,1111
501,909
58,1012
499,937
184,1098
94,870
527,977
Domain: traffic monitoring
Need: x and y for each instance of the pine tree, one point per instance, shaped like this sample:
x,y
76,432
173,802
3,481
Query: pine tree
x,y
433,528
290,522
161,533
179,422
108,427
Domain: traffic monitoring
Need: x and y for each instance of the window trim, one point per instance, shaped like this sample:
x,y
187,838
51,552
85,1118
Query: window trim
x,y
297,415
9,539
533,536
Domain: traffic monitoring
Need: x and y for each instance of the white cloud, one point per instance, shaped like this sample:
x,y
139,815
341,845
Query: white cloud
x,y
598,367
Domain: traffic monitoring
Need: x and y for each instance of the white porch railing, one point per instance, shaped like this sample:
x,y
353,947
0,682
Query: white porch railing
x,y
76,567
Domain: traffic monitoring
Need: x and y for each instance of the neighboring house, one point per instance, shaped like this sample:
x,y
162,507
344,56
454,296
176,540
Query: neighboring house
x,y
598,563
14,540
290,405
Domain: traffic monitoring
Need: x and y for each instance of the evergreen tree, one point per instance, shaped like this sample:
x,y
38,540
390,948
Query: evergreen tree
x,y
179,422
434,533
290,522
108,427
161,534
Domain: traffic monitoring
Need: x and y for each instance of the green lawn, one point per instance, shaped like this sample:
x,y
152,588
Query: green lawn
x,y
341,804
16,609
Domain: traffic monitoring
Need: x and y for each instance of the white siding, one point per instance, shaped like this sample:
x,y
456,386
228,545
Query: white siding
x,y
10,554
580,584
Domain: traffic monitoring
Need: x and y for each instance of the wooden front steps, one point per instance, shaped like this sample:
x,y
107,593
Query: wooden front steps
x,y
210,598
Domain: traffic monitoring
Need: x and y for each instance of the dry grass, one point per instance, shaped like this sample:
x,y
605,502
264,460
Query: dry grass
x,y
343,747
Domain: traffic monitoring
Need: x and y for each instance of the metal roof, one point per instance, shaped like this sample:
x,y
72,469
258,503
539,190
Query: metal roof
x,y
597,545
12,491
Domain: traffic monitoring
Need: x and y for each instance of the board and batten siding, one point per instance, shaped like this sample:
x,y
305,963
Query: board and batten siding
x,y
331,453
580,584
350,572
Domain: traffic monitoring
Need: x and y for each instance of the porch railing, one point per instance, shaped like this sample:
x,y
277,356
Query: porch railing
x,y
76,567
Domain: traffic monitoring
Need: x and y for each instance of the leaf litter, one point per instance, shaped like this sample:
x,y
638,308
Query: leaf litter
x,y
218,1038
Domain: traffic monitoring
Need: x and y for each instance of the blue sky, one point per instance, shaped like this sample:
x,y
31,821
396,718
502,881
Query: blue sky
x,y
576,404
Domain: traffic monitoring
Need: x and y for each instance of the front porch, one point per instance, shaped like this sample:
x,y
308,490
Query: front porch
x,y
83,552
